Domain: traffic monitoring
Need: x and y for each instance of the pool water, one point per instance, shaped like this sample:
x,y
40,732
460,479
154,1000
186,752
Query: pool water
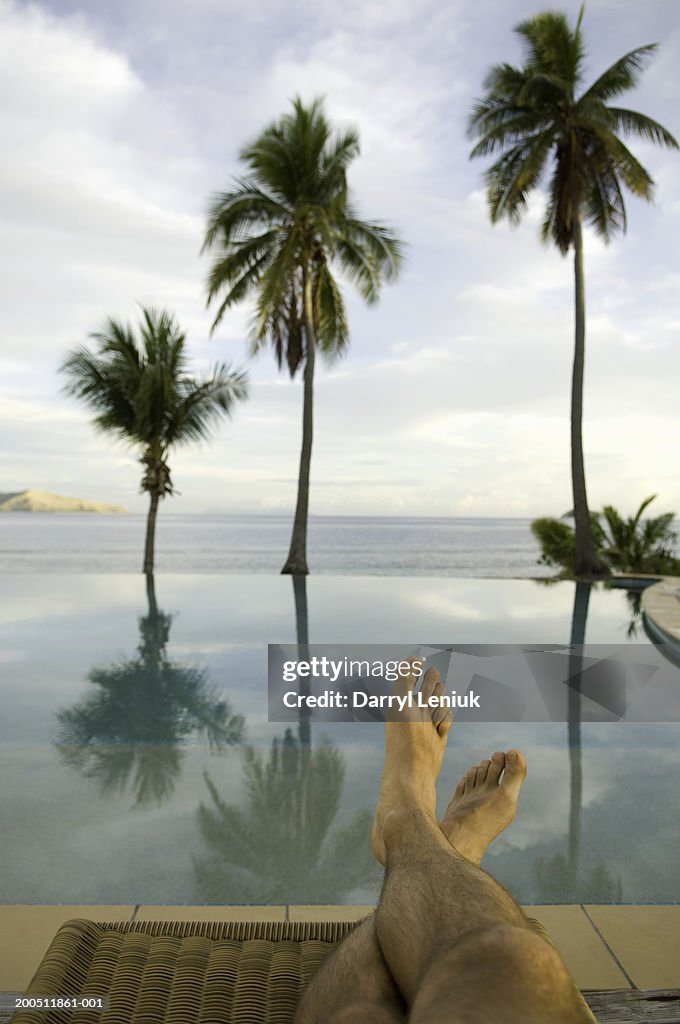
x,y
137,764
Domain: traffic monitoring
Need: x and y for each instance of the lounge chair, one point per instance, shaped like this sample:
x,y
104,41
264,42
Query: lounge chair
x,y
208,972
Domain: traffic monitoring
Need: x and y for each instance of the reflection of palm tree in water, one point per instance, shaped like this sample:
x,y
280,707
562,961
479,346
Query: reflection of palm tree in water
x,y
577,640
559,877
283,847
128,733
634,602
302,634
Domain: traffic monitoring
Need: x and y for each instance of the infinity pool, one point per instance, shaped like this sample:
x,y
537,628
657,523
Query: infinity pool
x,y
137,764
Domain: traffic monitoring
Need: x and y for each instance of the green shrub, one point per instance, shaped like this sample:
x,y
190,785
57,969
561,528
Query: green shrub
x,y
557,542
631,544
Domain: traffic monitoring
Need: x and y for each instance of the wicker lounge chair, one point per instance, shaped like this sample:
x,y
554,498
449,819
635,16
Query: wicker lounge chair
x,y
182,972
219,973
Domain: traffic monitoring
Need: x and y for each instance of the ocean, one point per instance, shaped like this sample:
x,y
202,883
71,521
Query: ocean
x,y
337,545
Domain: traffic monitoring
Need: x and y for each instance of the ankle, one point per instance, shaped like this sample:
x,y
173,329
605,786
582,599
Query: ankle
x,y
403,821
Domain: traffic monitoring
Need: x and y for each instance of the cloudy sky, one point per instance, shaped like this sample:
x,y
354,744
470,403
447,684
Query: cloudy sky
x,y
119,120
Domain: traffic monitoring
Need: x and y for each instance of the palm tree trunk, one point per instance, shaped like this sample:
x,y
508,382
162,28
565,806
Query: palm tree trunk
x,y
301,614
586,560
151,533
296,563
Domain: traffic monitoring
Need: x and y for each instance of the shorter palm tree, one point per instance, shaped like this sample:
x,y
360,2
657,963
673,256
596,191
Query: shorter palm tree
x,y
142,393
632,544
635,544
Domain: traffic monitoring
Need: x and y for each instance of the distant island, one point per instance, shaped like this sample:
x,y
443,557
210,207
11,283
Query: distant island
x,y
42,501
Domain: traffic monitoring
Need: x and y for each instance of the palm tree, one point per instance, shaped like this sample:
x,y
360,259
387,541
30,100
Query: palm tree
x,y
534,115
281,234
634,544
142,393
624,545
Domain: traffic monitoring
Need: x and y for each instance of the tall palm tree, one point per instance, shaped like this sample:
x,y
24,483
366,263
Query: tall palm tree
x,y
536,115
281,234
142,393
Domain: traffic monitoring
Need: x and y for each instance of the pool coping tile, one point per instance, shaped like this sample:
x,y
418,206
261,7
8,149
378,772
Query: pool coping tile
x,y
583,951
26,931
329,912
645,939
151,912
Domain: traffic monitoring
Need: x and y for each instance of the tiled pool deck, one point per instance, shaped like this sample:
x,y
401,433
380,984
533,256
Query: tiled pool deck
x,y
661,604
605,947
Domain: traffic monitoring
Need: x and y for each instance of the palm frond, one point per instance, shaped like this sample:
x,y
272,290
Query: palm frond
x,y
511,179
531,111
223,274
141,392
633,123
552,47
248,207
202,404
622,75
603,204
330,315
508,125
626,166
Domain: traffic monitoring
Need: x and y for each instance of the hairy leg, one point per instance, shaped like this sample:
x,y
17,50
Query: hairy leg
x,y
355,980
353,985
457,945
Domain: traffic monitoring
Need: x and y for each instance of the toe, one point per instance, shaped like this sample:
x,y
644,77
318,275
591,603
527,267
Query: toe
x,y
438,712
407,682
515,771
430,683
496,767
460,789
445,720
471,778
482,771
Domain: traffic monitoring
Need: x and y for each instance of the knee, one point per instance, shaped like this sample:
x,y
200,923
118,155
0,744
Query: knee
x,y
506,973
514,948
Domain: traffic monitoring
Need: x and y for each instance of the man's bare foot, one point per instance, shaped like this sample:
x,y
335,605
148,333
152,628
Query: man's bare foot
x,y
414,749
484,803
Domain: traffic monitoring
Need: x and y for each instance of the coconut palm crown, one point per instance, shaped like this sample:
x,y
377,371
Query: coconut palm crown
x,y
284,234
545,129
141,392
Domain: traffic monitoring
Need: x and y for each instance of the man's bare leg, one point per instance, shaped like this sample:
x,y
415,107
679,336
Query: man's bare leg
x,y
457,945
353,985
